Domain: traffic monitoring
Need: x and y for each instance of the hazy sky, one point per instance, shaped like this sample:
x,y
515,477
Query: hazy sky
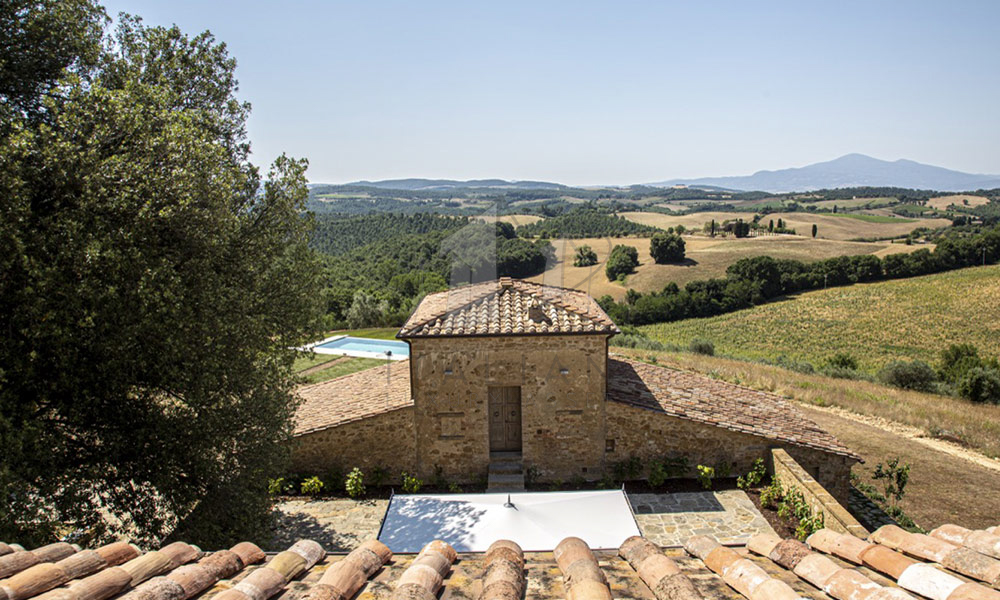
x,y
609,92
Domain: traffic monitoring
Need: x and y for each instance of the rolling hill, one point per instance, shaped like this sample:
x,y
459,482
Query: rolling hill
x,y
851,170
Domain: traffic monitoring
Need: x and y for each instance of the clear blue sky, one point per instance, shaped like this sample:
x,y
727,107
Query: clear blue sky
x,y
606,92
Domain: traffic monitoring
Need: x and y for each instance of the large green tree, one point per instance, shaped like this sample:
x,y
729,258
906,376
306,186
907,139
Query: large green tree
x,y
151,285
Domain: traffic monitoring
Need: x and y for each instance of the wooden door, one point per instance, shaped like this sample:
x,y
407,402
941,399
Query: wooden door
x,y
505,419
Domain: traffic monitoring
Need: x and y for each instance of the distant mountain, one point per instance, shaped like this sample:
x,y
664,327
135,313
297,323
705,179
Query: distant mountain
x,y
451,184
851,170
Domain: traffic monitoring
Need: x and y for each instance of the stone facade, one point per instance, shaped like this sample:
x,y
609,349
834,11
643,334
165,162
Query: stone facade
x,y
651,435
386,440
562,379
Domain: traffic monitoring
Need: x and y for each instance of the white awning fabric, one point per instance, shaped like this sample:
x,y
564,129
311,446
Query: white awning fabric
x,y
537,521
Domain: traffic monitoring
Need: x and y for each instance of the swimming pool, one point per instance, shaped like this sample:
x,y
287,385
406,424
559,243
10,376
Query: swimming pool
x,y
346,345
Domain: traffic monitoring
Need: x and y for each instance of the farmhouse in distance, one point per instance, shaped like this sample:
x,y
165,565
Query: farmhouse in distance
x,y
508,378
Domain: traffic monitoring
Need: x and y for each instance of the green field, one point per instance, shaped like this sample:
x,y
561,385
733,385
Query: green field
x,y
876,322
869,218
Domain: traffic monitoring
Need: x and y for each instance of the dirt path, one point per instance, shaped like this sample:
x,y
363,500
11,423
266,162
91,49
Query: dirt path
x,y
948,484
917,435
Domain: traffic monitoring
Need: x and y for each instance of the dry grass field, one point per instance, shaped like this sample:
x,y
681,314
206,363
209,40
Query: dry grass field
x,y
707,258
943,202
515,220
837,227
690,221
945,485
875,322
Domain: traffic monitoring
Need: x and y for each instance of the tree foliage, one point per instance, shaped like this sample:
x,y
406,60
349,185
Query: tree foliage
x,y
585,257
622,261
585,222
666,248
151,286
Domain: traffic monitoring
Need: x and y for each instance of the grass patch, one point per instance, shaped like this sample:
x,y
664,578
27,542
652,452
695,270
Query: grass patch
x,y
868,218
308,360
876,323
345,367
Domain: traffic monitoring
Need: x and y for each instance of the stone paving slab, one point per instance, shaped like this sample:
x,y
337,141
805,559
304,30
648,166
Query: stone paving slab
x,y
338,525
729,516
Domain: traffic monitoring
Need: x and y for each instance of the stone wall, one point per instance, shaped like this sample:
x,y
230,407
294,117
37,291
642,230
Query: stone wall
x,y
650,435
563,385
835,514
386,440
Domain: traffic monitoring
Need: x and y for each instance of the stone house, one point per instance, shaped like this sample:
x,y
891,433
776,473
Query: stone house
x,y
522,371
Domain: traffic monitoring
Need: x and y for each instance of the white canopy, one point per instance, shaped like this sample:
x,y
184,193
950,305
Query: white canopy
x,y
537,521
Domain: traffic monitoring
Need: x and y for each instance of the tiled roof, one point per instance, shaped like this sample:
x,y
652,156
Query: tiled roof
x,y
507,307
699,398
892,565
353,397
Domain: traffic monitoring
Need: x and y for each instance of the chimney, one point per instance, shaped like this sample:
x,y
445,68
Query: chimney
x,y
506,282
536,314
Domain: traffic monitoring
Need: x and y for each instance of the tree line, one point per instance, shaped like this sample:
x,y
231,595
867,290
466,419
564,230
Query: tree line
x,y
586,222
753,281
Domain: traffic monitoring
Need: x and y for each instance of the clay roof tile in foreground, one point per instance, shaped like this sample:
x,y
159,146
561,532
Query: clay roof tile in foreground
x,y
828,566
353,397
507,307
695,397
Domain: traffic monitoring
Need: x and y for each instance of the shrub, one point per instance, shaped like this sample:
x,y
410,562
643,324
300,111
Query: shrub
x,y
312,486
753,477
379,475
355,483
705,475
275,486
980,384
843,360
700,346
916,375
411,485
622,261
454,488
772,494
893,477
628,469
957,360
585,257
666,248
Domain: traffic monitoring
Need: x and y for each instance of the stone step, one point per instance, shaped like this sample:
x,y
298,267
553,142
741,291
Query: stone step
x,y
505,482
506,467
506,457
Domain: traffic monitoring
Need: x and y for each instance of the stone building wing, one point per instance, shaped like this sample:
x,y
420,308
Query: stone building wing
x,y
695,397
353,397
507,307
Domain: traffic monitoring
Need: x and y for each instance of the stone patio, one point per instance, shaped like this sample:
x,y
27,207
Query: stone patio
x,y
729,516
665,519
338,525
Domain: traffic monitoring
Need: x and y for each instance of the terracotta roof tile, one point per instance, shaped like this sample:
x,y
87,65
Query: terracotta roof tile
x,y
353,397
639,569
507,307
699,398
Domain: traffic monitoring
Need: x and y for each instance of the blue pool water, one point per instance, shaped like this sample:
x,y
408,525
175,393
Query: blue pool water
x,y
355,344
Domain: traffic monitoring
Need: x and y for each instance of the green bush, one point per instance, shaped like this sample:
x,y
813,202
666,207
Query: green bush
x,y
275,486
705,475
700,346
313,486
666,248
916,375
411,485
957,360
354,485
628,469
379,475
843,360
772,494
981,384
585,257
753,477
622,261
894,478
